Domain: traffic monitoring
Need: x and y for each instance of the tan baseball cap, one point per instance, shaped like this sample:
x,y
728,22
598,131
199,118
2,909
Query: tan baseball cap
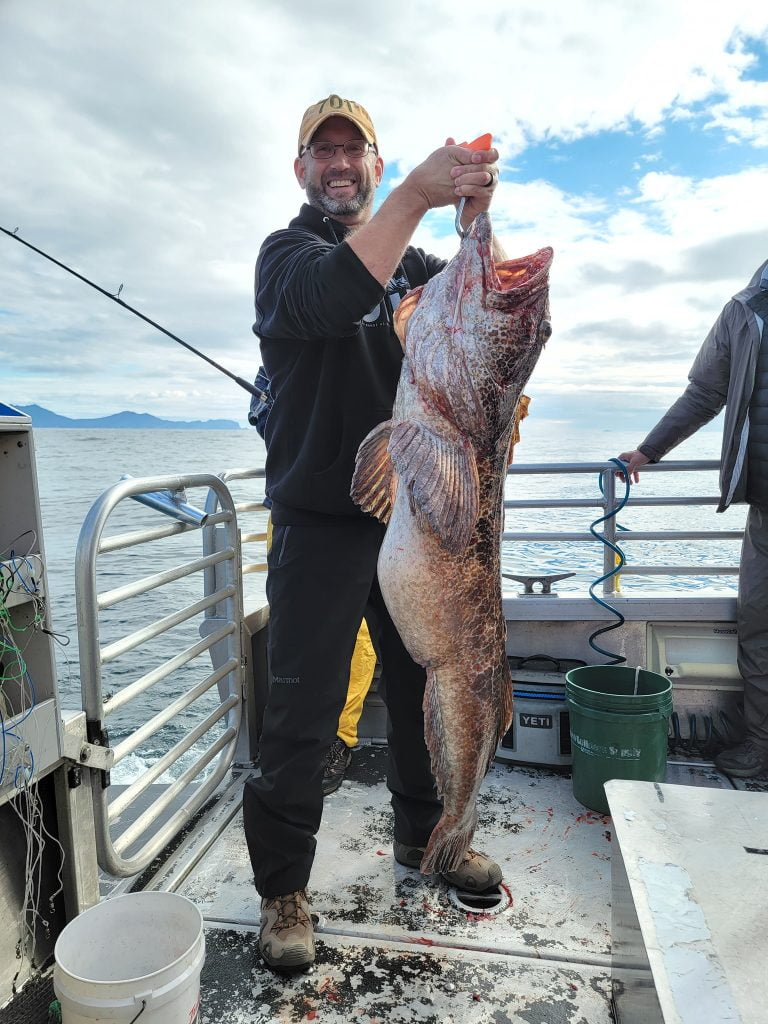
x,y
335,106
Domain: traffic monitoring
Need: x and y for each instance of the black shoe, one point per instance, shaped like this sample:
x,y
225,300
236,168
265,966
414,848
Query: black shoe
x,y
744,761
336,763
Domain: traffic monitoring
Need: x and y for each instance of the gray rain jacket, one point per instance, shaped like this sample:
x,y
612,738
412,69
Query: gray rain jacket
x,y
722,374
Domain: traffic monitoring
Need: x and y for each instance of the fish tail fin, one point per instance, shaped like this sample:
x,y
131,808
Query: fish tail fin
x,y
451,837
447,847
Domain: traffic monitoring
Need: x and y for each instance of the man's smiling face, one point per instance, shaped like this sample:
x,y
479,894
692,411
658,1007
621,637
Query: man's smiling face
x,y
342,187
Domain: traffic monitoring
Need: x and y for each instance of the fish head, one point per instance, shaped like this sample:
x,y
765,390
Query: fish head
x,y
475,331
502,307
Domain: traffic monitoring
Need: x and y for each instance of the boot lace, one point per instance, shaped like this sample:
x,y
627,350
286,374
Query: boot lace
x,y
336,756
291,911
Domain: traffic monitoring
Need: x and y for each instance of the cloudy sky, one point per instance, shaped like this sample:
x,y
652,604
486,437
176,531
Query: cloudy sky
x,y
150,143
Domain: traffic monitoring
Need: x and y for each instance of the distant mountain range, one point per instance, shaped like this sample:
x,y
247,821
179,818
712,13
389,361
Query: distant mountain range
x,y
122,420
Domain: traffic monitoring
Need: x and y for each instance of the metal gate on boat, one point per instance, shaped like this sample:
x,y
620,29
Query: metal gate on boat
x,y
252,516
218,615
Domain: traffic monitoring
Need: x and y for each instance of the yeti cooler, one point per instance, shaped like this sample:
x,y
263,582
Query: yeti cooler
x,y
539,733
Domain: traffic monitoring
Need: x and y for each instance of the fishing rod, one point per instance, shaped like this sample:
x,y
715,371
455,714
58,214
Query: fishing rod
x,y
257,392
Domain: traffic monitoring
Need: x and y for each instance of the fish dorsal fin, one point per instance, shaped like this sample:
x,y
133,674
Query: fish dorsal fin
x,y
373,482
441,475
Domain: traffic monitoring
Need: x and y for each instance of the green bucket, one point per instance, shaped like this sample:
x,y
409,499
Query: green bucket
x,y
618,719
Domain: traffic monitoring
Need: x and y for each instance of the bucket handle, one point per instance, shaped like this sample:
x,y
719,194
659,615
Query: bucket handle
x,y
143,1008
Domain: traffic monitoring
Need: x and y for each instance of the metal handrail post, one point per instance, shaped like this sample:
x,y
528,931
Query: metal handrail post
x,y
247,744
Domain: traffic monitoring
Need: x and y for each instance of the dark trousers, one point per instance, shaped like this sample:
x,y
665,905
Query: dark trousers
x,y
321,582
752,623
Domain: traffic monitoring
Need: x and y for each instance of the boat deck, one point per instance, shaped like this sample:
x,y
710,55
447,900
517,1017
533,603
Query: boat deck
x,y
397,947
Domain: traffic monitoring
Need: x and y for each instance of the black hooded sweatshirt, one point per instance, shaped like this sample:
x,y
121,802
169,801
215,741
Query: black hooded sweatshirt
x,y
332,356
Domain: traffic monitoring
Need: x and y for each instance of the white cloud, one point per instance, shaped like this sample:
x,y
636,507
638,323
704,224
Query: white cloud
x,y
152,145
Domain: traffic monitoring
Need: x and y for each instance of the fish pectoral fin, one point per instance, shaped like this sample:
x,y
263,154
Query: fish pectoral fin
x,y
404,311
441,476
374,482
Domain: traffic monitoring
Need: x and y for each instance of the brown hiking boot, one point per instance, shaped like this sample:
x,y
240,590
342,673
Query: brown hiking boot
x,y
476,873
286,937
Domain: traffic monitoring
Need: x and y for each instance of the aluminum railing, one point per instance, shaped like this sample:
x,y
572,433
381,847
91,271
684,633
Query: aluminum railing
x,y
251,517
247,537
222,566
220,630
607,501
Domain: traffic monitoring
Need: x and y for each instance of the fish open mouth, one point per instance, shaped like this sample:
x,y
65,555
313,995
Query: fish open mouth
x,y
524,275
521,277
503,286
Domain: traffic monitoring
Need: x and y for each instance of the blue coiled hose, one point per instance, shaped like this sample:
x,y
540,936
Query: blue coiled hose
x,y
616,659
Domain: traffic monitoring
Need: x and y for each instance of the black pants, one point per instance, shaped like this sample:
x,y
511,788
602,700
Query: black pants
x,y
321,582
752,623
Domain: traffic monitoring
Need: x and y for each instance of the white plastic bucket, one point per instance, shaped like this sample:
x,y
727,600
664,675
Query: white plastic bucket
x,y
136,957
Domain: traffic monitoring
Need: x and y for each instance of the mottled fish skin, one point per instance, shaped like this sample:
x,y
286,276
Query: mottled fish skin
x,y
435,473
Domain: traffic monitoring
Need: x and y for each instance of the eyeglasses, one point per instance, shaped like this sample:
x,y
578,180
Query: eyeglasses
x,y
355,149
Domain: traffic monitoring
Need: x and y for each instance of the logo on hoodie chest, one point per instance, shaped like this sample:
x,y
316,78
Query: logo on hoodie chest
x,y
382,312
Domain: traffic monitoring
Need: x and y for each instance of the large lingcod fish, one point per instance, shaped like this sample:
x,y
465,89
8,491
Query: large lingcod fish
x,y
435,473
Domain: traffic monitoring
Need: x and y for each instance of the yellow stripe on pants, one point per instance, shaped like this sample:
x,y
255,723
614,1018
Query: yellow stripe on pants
x,y
360,677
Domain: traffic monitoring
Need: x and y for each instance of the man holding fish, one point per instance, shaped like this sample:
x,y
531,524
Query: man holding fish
x,y
326,290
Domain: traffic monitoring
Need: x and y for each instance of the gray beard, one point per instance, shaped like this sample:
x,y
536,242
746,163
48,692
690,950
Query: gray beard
x,y
340,207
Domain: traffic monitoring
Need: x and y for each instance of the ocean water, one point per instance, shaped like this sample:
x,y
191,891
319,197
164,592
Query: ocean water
x,y
76,466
